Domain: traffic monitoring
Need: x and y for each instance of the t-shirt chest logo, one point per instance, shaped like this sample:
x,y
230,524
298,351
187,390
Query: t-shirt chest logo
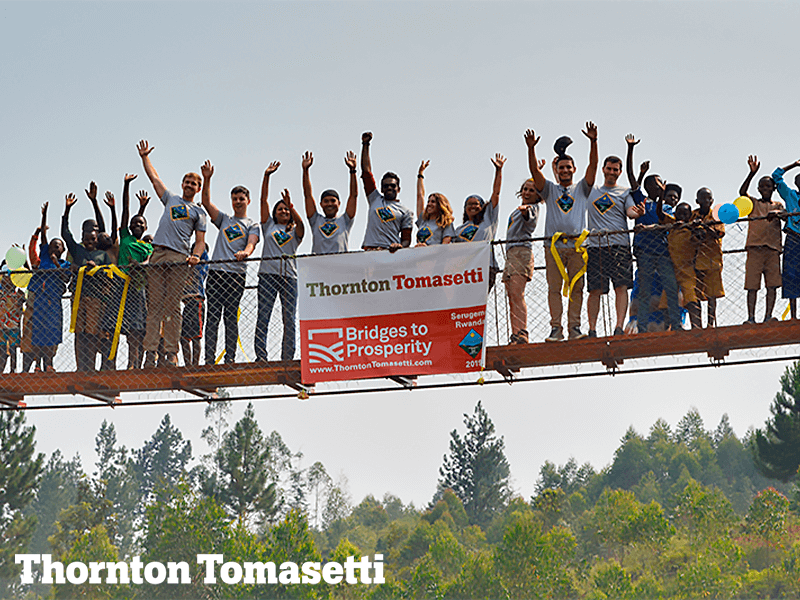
x,y
469,232
328,228
604,203
565,202
424,234
179,213
233,233
385,214
281,237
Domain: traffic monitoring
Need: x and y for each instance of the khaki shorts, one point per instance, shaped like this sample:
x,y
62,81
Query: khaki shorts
x,y
761,259
519,261
90,313
709,284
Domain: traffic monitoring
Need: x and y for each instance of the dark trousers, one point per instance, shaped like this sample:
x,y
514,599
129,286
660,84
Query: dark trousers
x,y
269,287
224,292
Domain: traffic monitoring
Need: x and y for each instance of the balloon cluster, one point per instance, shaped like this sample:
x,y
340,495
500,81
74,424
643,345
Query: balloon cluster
x,y
15,259
731,212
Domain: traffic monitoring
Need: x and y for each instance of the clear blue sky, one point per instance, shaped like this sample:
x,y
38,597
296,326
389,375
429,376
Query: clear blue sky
x,y
704,84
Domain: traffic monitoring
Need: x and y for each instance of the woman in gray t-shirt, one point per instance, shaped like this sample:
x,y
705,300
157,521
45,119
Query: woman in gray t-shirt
x,y
434,219
282,232
480,217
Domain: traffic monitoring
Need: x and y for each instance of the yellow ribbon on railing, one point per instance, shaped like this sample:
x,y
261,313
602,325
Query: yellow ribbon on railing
x,y
111,271
238,340
568,285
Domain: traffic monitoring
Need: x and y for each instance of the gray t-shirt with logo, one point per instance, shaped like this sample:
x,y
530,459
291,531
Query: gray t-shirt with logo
x,y
428,232
607,212
521,228
330,236
232,238
178,222
482,232
279,242
385,221
566,209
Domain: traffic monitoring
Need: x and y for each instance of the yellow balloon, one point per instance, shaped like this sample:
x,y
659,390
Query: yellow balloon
x,y
21,278
744,204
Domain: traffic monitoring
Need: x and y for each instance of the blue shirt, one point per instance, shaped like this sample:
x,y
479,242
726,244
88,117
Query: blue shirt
x,y
650,242
790,196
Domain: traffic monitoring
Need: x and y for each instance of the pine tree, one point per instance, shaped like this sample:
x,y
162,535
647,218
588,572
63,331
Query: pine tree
x,y
244,462
777,447
20,474
161,462
477,469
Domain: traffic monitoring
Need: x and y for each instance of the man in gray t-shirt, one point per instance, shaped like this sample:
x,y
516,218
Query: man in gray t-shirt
x,y
565,203
389,223
330,232
609,253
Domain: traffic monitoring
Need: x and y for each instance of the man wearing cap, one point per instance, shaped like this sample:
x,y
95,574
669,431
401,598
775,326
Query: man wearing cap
x,y
330,232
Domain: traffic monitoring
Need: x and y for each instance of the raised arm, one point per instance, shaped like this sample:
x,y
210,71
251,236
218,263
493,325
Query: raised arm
x,y
791,166
144,200
111,204
33,248
91,193
643,169
43,226
71,199
144,151
752,162
126,200
350,208
207,170
631,141
308,194
273,166
498,161
421,188
366,163
299,227
591,169
533,164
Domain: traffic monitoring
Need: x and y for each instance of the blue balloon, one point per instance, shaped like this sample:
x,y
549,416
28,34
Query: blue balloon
x,y
728,213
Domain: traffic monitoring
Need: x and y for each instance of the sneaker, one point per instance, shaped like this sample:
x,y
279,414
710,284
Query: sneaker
x,y
750,321
521,337
592,333
556,335
575,333
619,331
171,359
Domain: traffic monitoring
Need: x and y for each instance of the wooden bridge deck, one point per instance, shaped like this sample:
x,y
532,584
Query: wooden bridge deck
x,y
105,386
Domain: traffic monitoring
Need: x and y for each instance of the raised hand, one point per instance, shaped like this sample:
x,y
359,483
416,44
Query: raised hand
x,y
130,177
44,211
273,166
144,148
366,137
350,160
590,131
207,170
644,168
752,162
308,160
143,198
498,161
530,138
92,191
286,199
542,163
631,140
423,165
71,200
109,199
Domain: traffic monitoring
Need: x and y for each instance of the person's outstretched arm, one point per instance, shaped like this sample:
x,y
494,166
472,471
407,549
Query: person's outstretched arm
x,y
631,141
71,199
144,151
126,200
350,208
591,169
144,200
421,188
752,162
308,194
91,193
43,226
207,170
111,204
498,161
273,166
366,164
533,164
299,227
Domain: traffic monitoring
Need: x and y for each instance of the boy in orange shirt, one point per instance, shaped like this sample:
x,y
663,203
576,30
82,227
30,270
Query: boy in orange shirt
x,y
708,263
683,252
